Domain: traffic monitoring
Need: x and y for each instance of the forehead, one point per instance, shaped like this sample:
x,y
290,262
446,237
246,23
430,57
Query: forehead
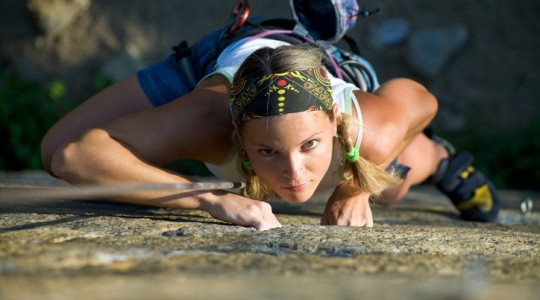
x,y
299,125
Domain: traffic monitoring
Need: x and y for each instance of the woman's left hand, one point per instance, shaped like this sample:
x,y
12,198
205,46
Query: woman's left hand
x,y
347,207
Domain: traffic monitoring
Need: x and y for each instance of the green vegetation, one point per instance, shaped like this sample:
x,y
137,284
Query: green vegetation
x,y
511,160
27,110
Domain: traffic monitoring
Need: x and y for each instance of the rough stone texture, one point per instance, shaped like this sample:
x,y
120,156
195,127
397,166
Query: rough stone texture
x,y
418,249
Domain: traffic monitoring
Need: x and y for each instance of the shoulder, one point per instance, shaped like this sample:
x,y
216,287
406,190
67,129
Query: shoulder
x,y
391,115
401,88
342,93
395,97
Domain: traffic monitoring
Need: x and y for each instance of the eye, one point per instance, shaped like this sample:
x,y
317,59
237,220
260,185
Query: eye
x,y
310,144
266,152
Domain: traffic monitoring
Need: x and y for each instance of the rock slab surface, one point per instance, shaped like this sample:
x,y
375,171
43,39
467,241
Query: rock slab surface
x,y
418,249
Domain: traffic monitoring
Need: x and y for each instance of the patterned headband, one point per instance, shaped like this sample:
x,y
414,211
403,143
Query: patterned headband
x,y
281,93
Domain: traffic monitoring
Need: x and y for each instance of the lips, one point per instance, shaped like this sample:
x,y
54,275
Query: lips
x,y
297,187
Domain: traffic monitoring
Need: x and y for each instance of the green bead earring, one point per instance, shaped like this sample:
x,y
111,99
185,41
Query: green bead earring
x,y
247,165
352,156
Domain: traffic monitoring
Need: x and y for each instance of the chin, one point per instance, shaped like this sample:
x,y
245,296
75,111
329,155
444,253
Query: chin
x,y
296,197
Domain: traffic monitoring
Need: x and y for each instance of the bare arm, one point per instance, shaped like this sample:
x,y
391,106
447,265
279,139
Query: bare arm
x,y
132,148
347,207
392,116
122,98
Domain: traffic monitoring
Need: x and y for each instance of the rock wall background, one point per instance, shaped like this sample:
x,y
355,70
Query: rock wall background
x,y
488,80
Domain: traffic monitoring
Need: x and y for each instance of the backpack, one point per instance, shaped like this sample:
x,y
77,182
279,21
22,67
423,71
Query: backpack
x,y
197,61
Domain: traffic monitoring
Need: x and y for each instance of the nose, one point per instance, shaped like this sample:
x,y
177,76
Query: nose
x,y
293,166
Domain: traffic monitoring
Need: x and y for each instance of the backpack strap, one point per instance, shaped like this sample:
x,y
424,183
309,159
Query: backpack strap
x,y
349,66
185,65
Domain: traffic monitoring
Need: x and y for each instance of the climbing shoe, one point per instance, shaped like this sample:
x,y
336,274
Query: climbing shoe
x,y
468,189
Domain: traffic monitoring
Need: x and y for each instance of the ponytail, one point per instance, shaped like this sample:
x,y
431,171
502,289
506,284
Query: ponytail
x,y
255,188
367,176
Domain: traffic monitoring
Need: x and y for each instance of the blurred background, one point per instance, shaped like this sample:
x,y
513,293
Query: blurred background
x,y
480,58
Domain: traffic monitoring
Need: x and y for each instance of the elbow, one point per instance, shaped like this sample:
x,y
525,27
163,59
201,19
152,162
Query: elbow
x,y
47,150
421,105
72,160
62,160
430,105
426,104
51,143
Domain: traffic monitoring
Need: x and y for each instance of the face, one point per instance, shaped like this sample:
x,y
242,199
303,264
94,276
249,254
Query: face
x,y
290,153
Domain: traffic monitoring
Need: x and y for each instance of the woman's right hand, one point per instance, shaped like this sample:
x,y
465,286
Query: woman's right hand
x,y
243,211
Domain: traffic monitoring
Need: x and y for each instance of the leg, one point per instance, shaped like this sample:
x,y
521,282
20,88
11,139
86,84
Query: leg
x,y
436,161
423,156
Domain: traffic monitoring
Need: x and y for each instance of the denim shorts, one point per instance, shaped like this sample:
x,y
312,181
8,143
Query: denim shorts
x,y
163,82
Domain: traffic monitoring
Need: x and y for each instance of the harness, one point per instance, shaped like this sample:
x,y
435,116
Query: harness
x,y
347,65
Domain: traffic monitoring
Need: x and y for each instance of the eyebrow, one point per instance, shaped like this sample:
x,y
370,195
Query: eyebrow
x,y
301,143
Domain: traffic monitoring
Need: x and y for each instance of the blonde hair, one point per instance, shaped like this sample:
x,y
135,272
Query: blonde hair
x,y
367,176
